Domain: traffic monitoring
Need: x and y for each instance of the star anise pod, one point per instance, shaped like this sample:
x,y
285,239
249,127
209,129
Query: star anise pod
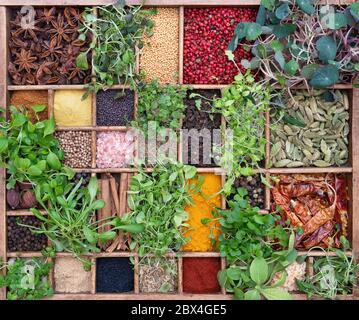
x,y
47,15
18,30
73,16
45,68
25,61
51,49
61,30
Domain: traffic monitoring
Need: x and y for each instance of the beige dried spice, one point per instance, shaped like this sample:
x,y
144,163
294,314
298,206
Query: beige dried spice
x,y
294,271
70,276
160,58
158,275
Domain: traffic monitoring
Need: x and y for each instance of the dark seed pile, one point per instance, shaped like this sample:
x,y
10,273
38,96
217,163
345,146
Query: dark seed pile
x,y
113,110
255,188
199,119
21,238
85,178
114,275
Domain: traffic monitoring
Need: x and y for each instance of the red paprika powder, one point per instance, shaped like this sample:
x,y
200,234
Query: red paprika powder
x,y
200,275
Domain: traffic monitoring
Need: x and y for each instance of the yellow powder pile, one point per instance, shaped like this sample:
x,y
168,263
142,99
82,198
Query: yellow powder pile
x,y
28,99
160,58
202,208
70,110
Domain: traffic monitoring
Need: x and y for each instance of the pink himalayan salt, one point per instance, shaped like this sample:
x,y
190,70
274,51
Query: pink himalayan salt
x,y
114,149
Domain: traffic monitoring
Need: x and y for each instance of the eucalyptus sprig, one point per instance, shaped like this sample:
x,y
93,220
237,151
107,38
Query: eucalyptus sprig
x,y
302,41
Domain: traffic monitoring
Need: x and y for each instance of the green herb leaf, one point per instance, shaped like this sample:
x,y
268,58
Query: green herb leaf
x,y
259,271
327,48
306,5
325,77
38,108
81,61
276,294
291,67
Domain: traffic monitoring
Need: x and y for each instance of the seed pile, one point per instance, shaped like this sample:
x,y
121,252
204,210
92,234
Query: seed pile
x,y
200,275
158,276
207,33
29,99
323,141
114,275
114,149
254,187
198,116
294,271
21,238
160,59
77,148
70,276
113,110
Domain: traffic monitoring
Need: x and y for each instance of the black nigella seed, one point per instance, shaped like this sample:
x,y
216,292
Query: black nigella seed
x,y
113,110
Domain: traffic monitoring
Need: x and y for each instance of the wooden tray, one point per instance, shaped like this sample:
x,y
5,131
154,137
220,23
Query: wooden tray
x,y
352,170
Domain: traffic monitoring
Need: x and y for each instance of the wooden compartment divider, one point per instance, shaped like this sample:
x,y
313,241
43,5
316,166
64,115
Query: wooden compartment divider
x,y
352,170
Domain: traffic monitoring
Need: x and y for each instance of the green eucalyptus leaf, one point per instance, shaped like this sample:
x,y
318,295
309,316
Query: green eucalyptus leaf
x,y
284,30
261,15
282,11
327,48
268,4
306,6
308,70
324,77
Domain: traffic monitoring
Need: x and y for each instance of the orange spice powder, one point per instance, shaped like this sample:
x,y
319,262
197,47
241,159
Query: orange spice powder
x,y
29,98
202,208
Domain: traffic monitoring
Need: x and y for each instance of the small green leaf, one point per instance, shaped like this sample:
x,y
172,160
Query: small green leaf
x,y
132,228
291,67
278,56
282,11
38,108
93,188
108,235
34,171
325,77
306,6
53,161
49,126
327,48
90,236
81,61
308,70
284,30
276,45
293,121
3,144
229,55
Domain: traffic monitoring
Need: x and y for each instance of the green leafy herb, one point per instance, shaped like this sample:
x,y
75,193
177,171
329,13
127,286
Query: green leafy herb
x,y
117,32
26,279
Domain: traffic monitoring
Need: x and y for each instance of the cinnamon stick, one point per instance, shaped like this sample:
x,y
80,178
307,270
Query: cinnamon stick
x,y
115,198
123,194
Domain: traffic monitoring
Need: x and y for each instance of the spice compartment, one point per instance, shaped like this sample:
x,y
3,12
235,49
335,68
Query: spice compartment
x,y
267,171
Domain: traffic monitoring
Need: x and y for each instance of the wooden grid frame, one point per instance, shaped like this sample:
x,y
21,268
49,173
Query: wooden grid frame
x,y
351,170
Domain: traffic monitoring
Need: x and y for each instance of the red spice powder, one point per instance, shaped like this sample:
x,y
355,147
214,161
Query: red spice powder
x,y
200,275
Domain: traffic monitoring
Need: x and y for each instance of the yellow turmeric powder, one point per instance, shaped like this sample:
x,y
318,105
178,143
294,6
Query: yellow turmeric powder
x,y
70,110
202,208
